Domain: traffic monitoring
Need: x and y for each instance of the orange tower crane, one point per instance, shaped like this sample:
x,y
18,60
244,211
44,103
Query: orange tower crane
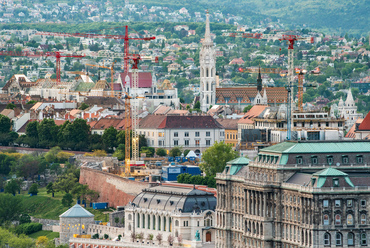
x,y
111,74
57,55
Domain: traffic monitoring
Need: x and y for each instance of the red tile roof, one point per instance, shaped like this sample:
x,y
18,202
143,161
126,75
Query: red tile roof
x,y
365,124
230,124
351,133
105,123
255,111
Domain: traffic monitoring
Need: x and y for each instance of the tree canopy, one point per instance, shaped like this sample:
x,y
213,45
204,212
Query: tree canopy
x,y
216,157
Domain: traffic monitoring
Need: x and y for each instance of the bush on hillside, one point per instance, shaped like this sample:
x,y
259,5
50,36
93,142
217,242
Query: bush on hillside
x,y
28,228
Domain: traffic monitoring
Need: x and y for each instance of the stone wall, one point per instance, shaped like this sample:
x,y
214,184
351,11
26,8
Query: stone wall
x,y
112,232
115,190
121,218
48,225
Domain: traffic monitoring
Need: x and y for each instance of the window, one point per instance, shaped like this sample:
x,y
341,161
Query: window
x,y
186,134
326,219
186,142
337,219
222,134
338,238
299,160
363,203
350,219
196,134
325,203
208,134
208,142
175,134
351,239
175,142
314,160
349,203
337,203
329,160
326,239
363,239
345,159
363,219
359,159
335,182
197,142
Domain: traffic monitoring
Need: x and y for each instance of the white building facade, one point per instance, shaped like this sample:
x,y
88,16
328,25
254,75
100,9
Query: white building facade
x,y
207,60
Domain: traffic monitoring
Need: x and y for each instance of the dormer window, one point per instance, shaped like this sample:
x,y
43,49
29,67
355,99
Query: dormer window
x,y
345,159
359,159
335,182
314,159
299,160
329,159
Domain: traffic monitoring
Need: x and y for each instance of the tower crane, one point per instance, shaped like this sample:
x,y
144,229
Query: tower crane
x,y
111,74
291,39
57,55
125,37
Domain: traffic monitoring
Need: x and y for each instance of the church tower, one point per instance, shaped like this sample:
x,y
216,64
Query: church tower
x,y
259,81
207,60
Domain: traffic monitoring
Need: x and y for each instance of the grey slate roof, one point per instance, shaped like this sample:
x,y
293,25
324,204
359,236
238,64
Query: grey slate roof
x,y
76,212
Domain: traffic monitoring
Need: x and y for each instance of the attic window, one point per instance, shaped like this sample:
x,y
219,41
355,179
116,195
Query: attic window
x,y
329,159
171,203
158,201
335,182
145,199
202,203
314,159
299,160
359,159
313,181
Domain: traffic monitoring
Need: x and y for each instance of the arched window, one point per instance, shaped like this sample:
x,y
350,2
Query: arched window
x,y
338,238
363,239
138,220
337,219
326,239
363,219
326,219
350,219
143,226
351,239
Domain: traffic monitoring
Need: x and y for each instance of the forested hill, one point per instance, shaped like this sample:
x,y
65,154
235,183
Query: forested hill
x,y
340,16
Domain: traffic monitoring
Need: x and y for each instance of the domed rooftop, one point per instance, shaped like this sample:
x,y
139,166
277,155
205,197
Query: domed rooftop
x,y
167,198
76,212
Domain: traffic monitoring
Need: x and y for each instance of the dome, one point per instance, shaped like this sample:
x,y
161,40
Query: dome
x,y
165,198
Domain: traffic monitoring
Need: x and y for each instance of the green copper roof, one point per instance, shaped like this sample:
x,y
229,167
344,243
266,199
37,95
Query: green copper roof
x,y
240,160
235,165
330,172
318,147
76,212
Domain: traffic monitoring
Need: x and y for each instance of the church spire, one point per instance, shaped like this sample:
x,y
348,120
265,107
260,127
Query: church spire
x,y
259,80
207,37
349,101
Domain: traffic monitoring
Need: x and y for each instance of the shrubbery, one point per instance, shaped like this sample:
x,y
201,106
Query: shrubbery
x,y
198,180
28,228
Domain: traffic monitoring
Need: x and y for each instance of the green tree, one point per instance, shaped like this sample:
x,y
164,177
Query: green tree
x,y
175,152
50,189
149,151
27,166
67,200
5,163
10,106
66,182
47,132
83,106
5,124
110,138
32,135
34,189
51,155
197,105
10,208
12,187
247,108
186,152
161,152
77,134
216,157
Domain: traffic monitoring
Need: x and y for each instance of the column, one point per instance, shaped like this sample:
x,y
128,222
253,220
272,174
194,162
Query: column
x,y
264,205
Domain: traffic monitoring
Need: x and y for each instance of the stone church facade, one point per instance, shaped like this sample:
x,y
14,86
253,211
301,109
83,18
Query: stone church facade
x,y
291,196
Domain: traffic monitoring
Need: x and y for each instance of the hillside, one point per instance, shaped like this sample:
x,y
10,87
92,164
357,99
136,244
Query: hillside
x,y
340,16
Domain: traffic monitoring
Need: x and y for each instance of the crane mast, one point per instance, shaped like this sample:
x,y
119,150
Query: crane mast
x,y
135,111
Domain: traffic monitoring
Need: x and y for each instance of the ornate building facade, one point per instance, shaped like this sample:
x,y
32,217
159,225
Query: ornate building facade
x,y
348,110
172,211
292,197
207,60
